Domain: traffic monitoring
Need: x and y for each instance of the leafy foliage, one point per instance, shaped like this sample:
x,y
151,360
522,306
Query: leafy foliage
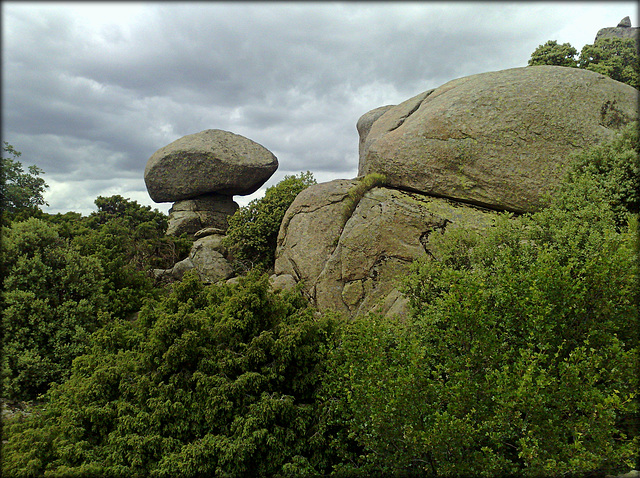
x,y
65,276
53,300
20,191
216,381
253,229
551,53
616,58
614,167
521,354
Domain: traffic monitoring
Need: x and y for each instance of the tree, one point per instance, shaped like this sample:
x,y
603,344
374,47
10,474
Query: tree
x,y
616,58
253,229
20,190
551,53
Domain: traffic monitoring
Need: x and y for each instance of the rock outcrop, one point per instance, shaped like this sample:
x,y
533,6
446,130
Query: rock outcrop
x,y
453,157
200,173
352,264
212,161
499,139
623,30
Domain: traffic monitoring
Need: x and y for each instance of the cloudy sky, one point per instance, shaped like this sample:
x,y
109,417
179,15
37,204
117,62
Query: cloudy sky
x,y
91,91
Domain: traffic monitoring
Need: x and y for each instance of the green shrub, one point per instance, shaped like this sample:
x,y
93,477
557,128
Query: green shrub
x,y
253,229
551,53
613,168
521,354
210,381
616,58
53,300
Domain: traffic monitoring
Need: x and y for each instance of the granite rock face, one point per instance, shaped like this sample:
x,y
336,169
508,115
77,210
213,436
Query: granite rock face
x,y
623,30
500,139
212,161
352,265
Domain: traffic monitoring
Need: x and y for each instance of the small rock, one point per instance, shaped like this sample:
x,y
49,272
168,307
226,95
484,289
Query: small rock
x,y
282,282
625,23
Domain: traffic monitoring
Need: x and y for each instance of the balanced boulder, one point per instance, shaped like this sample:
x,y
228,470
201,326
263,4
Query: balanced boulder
x,y
500,139
212,161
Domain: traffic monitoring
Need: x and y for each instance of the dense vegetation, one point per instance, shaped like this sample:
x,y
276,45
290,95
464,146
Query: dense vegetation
x,y
253,229
614,57
520,355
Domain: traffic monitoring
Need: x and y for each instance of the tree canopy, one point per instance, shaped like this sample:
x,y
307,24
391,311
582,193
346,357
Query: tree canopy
x,y
616,58
20,190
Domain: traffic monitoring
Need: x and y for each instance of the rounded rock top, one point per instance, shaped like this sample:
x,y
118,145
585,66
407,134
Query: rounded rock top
x,y
212,161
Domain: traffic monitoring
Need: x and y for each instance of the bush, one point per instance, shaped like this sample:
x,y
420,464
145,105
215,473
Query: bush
x,y
53,300
210,381
521,354
616,58
253,229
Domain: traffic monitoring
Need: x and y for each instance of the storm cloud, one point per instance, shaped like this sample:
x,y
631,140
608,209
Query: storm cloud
x,y
91,91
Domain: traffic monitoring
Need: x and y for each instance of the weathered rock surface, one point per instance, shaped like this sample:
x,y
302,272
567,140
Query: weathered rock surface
x,y
354,267
310,229
498,139
206,257
212,161
193,215
282,282
623,30
365,122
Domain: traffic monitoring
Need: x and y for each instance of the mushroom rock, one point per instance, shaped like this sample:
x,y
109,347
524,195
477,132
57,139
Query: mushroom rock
x,y
212,161
201,172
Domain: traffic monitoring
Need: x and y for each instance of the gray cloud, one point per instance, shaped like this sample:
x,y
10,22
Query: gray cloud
x,y
89,101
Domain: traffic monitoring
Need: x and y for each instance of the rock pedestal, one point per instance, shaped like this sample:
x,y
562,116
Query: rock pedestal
x,y
200,173
191,215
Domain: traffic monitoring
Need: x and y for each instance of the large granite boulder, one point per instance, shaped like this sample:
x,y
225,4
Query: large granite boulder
x,y
498,139
212,161
352,264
